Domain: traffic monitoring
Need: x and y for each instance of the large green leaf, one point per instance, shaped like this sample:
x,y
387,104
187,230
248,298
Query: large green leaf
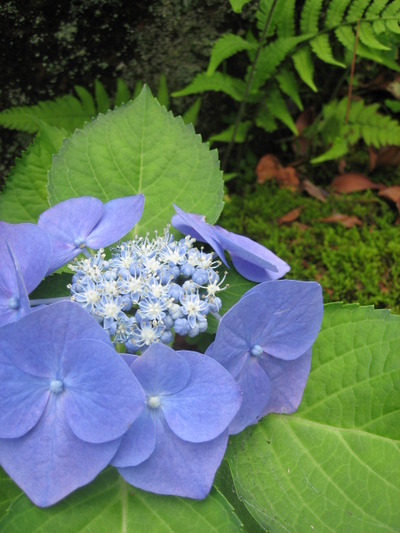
x,y
332,466
140,148
24,196
109,505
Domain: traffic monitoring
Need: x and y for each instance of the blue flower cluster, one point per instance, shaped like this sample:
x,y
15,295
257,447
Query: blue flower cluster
x,y
71,404
148,290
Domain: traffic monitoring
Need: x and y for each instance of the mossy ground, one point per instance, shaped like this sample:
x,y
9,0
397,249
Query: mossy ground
x,y
360,264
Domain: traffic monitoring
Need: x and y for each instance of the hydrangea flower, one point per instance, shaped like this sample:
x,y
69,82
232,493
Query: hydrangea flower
x,y
178,442
251,260
265,342
25,252
80,223
66,399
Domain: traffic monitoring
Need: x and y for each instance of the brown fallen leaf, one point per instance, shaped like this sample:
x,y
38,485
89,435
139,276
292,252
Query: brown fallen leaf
x,y
392,194
267,168
287,177
314,191
353,182
388,156
346,220
289,217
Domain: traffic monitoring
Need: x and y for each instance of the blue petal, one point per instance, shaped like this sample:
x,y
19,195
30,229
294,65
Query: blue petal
x,y
68,224
291,314
256,388
197,227
138,443
161,370
205,407
118,218
288,380
41,355
32,250
102,396
177,467
252,260
15,293
23,397
50,462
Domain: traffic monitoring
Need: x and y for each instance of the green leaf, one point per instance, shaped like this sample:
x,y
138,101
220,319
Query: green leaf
x,y
218,82
322,49
24,196
102,99
190,116
8,493
237,5
162,93
226,135
338,149
110,505
123,94
227,46
140,148
333,465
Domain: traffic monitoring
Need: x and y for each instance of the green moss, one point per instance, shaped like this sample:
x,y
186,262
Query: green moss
x,y
358,264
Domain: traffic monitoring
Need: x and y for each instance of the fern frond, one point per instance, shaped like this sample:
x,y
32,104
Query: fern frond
x,y
304,65
226,135
218,82
289,86
237,5
271,56
322,49
283,18
276,106
356,10
102,98
310,16
123,94
335,12
367,36
66,112
227,46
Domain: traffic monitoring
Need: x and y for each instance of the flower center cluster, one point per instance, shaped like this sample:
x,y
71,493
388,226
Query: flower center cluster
x,y
149,289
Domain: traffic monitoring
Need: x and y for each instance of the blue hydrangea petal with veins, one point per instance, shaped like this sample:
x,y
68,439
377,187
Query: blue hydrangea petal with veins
x,y
80,223
25,252
65,402
266,336
251,260
191,400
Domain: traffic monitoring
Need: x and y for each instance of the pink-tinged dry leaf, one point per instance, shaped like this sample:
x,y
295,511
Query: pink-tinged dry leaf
x,y
287,178
314,191
267,168
353,182
388,156
392,194
290,217
346,220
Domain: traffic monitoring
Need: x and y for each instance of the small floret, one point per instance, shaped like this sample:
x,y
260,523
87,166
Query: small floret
x,y
265,342
66,399
80,223
178,442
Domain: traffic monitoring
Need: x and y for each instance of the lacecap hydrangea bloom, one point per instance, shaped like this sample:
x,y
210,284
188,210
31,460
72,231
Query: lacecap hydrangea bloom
x,y
70,404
